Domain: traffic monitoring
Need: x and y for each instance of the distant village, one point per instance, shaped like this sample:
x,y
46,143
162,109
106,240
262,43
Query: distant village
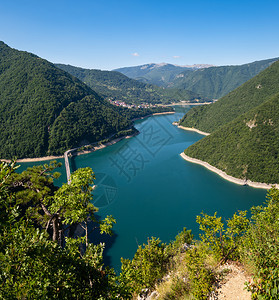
x,y
123,104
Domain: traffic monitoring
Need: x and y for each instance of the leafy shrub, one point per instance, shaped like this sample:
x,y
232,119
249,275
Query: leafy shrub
x,y
200,277
182,240
148,265
261,248
223,241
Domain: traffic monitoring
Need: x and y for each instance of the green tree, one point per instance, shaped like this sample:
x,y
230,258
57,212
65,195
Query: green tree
x,y
33,266
34,190
58,210
222,238
148,265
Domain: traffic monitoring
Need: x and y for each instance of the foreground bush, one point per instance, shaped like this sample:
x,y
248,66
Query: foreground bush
x,y
261,248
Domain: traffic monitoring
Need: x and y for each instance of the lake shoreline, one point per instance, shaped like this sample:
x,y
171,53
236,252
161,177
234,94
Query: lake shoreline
x,y
226,176
104,145
99,147
188,103
193,129
35,159
96,148
155,114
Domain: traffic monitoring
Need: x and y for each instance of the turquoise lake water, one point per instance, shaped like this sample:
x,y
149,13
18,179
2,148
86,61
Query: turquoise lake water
x,y
151,191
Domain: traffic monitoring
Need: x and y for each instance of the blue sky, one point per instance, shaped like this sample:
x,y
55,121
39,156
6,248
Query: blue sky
x,y
108,34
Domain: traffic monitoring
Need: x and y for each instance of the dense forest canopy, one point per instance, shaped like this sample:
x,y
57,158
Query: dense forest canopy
x,y
244,128
44,110
246,147
251,94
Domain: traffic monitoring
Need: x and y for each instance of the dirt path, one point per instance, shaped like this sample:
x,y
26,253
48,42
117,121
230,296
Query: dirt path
x,y
232,287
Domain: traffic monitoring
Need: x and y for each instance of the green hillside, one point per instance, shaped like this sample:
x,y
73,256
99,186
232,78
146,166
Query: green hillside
x,y
116,86
216,82
247,147
251,94
44,110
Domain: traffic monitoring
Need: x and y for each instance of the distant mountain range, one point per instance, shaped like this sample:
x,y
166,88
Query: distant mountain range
x,y
207,81
216,82
244,127
159,74
116,86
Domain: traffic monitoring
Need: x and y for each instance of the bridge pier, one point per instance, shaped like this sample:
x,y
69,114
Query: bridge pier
x,y
67,165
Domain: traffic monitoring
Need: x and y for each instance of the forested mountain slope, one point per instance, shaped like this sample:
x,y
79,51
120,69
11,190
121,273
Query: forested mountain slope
x,y
251,94
247,147
116,86
216,82
44,110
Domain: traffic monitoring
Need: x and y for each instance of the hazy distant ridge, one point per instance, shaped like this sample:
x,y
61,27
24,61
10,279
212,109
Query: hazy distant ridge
x,y
216,82
160,74
115,85
206,80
